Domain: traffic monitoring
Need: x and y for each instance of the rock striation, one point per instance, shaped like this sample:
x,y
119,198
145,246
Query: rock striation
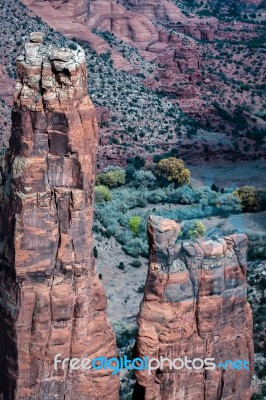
x,y
195,305
51,300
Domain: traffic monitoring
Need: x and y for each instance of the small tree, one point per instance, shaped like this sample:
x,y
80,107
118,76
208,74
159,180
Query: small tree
x,y
121,265
134,224
248,198
193,229
102,193
95,252
215,188
138,162
172,169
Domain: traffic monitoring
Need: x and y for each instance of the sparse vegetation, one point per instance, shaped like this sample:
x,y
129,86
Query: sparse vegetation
x,y
102,194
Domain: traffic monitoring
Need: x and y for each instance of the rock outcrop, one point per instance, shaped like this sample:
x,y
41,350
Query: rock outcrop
x,y
195,305
51,300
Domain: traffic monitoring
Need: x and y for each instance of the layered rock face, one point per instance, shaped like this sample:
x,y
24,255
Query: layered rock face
x,y
76,9
51,300
135,24
195,305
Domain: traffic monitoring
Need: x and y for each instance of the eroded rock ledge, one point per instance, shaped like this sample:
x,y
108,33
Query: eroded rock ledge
x,y
195,305
51,300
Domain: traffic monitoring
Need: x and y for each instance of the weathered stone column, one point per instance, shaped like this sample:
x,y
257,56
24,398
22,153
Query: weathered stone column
x,y
51,298
195,305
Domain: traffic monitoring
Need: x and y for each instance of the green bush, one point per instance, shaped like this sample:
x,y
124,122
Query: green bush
x,y
136,247
102,194
95,252
172,169
112,179
121,265
257,396
136,263
142,179
134,224
229,202
141,289
193,229
182,195
137,162
251,198
124,337
73,46
157,196
247,196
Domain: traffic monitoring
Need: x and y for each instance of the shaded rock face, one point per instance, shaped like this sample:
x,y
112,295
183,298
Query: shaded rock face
x,y
51,300
195,305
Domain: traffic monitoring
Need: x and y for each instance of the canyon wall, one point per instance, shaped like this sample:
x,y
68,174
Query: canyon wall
x,y
51,300
195,305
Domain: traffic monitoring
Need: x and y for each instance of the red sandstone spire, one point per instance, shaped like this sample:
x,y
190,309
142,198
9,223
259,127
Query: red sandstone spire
x,y
195,305
51,299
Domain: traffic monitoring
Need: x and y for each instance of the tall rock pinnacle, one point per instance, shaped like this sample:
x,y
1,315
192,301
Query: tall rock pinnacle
x,y
195,306
51,300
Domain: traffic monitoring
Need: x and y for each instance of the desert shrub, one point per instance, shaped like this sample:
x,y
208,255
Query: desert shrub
x,y
136,263
261,373
137,162
144,178
102,193
182,195
136,247
121,265
214,188
157,196
257,396
257,245
159,157
127,199
261,198
95,252
142,200
188,213
229,202
112,179
130,173
141,289
172,169
206,196
251,198
134,224
257,134
124,336
193,229
124,236
248,198
73,46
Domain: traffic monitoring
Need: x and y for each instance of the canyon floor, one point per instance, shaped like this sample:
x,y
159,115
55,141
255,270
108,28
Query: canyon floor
x,y
123,287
